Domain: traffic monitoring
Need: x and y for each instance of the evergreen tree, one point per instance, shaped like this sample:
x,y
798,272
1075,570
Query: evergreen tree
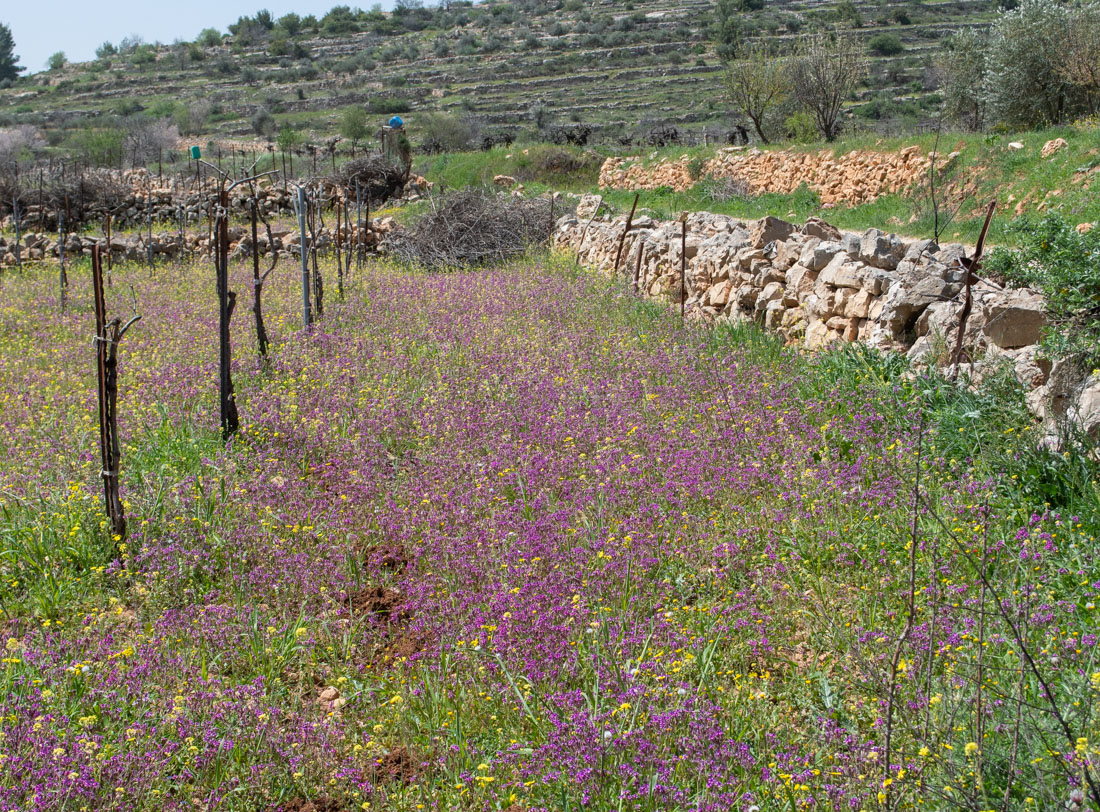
x,y
9,67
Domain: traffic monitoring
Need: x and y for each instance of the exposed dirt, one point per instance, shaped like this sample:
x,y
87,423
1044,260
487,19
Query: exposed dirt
x,y
400,766
316,805
388,557
380,602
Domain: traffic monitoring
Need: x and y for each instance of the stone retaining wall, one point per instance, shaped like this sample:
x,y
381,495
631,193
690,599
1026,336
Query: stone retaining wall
x,y
856,177
816,286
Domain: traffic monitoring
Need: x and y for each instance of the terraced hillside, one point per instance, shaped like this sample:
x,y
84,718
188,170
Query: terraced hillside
x,y
622,67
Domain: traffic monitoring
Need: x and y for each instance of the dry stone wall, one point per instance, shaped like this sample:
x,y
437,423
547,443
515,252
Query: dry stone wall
x,y
856,177
817,286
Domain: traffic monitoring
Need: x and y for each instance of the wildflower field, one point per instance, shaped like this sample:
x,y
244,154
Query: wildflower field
x,y
511,539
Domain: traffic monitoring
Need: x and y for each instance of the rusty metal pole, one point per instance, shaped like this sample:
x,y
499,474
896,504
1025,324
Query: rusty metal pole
x,y
683,264
622,239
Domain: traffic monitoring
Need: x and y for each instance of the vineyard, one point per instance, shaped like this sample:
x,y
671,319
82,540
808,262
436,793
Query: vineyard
x,y
513,539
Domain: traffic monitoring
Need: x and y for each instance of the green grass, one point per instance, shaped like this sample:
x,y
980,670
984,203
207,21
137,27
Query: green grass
x,y
986,169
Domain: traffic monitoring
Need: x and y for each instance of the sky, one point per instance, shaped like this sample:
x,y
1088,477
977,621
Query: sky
x,y
78,27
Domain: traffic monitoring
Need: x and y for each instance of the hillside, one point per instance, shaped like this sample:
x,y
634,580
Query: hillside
x,y
622,67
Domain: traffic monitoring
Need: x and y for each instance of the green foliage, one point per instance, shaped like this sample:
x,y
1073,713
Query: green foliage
x,y
387,105
263,123
99,146
9,62
57,60
800,127
209,38
106,51
443,132
143,55
1065,266
288,140
353,125
885,45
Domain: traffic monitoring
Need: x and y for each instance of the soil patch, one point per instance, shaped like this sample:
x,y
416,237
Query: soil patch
x,y
316,805
383,603
388,557
400,766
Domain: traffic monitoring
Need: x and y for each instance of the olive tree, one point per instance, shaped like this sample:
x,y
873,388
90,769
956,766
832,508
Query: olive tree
x,y
1023,86
961,68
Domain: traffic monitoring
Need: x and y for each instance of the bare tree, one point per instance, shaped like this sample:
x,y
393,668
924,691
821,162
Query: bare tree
x,y
757,81
823,75
146,139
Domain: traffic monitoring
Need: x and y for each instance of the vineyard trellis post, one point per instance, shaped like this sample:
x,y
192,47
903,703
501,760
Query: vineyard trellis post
x,y
63,278
258,278
227,301
18,233
300,210
108,336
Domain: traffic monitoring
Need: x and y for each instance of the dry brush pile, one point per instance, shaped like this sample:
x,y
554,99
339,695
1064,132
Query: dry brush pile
x,y
475,227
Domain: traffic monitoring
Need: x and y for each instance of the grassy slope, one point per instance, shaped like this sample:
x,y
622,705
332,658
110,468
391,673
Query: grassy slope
x,y
654,69
986,169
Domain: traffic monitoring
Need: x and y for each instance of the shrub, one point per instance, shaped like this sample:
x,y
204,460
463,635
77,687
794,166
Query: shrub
x,y
443,132
885,45
1065,266
209,37
800,127
263,123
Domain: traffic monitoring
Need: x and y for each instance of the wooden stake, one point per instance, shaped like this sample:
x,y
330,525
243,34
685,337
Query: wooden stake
x,y
300,206
108,336
227,300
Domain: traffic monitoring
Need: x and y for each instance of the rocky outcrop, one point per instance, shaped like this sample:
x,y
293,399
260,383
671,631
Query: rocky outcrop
x,y
859,176
816,286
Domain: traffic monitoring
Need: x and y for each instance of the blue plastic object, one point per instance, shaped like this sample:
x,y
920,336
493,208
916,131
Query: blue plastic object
x,y
396,122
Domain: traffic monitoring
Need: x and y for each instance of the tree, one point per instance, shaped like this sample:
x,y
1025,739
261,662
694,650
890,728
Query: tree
x,y
1080,61
728,31
353,126
823,75
1023,86
57,60
962,76
288,139
9,62
885,45
757,82
106,50
209,38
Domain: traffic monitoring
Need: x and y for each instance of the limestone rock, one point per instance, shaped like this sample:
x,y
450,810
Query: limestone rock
x,y
881,250
1052,146
768,230
1014,318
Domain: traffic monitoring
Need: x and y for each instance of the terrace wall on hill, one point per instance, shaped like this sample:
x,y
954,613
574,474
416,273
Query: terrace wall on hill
x,y
816,286
856,177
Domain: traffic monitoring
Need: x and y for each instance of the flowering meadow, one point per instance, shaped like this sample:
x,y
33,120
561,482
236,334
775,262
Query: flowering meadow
x,y
510,539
